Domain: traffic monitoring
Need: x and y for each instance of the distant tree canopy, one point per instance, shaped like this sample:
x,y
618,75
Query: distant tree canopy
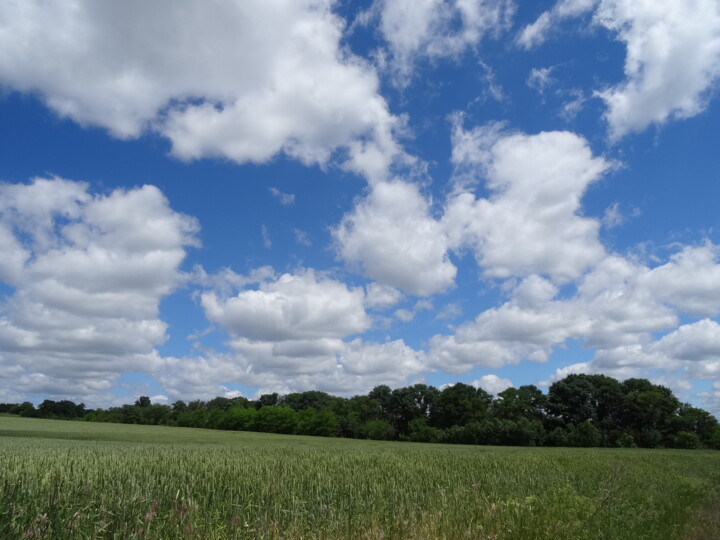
x,y
579,410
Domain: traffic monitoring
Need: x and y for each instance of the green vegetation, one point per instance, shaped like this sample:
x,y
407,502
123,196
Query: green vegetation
x,y
579,410
63,479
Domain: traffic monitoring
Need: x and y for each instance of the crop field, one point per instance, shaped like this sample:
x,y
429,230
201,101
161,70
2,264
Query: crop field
x,y
64,479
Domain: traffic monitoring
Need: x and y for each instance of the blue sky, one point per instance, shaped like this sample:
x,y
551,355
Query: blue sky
x,y
202,199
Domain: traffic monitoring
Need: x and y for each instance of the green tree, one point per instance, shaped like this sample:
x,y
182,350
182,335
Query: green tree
x,y
267,400
586,434
275,419
322,423
525,402
383,396
143,401
459,404
648,411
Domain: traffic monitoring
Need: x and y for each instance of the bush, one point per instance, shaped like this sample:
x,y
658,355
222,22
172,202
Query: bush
x,y
421,432
625,440
377,430
687,440
586,434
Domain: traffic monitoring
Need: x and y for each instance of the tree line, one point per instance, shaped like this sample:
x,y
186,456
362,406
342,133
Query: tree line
x,y
579,410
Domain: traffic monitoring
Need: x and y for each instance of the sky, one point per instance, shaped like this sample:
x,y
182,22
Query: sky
x,y
222,198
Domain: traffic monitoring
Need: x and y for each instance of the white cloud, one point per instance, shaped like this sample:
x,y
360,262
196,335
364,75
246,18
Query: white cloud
x,y
535,34
286,199
540,79
302,238
344,368
697,342
672,59
226,281
618,309
531,223
381,296
492,384
293,307
294,333
416,29
392,238
561,373
405,315
266,238
712,399
449,312
613,217
207,79
515,331
571,108
91,271
690,280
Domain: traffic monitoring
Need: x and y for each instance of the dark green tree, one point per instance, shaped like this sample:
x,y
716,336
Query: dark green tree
x,y
143,401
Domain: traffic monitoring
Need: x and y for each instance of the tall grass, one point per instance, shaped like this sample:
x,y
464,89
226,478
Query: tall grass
x,y
234,486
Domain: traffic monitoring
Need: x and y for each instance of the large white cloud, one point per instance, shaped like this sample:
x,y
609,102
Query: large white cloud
x,y
333,366
293,307
436,28
90,271
618,310
672,59
241,80
392,238
292,332
531,222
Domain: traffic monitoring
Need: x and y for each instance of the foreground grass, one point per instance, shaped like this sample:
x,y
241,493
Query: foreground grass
x,y
81,480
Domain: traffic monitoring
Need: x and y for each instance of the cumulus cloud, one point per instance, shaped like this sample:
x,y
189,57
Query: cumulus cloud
x,y
672,59
435,29
203,76
381,296
531,223
524,328
619,308
89,273
392,238
335,366
711,399
492,384
294,332
697,342
293,307
572,369
690,280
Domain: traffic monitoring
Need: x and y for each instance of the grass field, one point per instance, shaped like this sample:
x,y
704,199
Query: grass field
x,y
86,480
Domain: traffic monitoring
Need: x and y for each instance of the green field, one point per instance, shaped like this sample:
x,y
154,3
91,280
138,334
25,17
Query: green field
x,y
86,480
